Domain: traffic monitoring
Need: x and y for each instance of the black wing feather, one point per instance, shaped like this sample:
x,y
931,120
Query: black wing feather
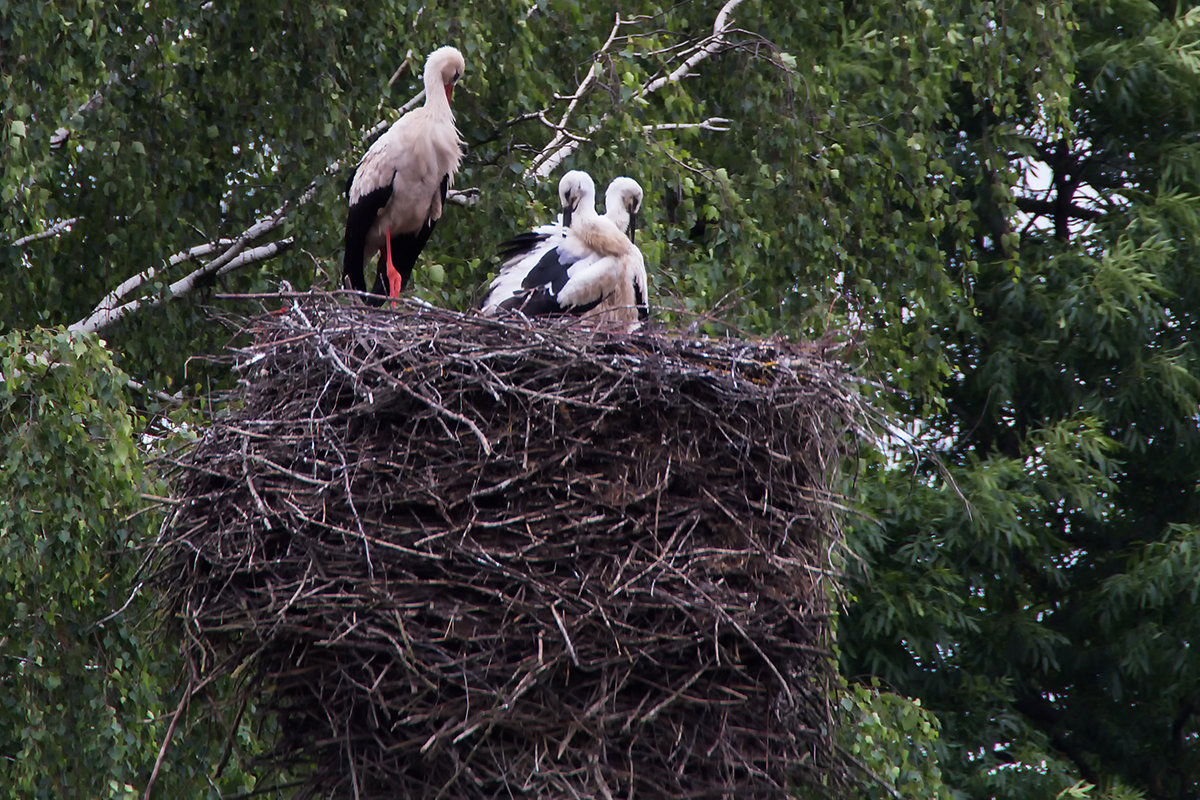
x,y
551,269
534,303
520,244
541,302
643,307
358,223
547,278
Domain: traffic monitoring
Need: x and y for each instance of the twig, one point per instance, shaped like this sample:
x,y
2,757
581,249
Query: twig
x,y
179,711
441,409
563,629
719,124
125,605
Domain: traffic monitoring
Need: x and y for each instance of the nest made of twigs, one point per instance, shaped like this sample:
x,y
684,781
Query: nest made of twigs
x,y
474,558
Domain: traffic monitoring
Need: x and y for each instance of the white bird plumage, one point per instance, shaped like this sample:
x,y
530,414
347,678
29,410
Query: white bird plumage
x,y
584,265
397,191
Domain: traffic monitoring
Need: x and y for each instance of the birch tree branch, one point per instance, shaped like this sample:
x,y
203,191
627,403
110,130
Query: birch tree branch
x,y
719,124
116,306
563,144
54,230
706,47
562,139
111,308
103,317
113,298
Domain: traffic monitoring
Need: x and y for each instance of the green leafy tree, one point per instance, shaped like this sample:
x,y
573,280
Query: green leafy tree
x,y
889,743
86,692
1032,571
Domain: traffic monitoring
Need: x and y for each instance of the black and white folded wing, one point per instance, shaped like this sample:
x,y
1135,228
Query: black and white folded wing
x,y
571,278
522,253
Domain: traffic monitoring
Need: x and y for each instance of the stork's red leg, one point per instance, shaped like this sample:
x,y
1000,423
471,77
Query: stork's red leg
x,y
394,278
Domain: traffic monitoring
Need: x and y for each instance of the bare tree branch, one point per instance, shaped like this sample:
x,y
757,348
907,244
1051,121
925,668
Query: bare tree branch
x,y
564,143
233,258
720,124
400,69
707,47
545,161
113,298
54,230
108,311
114,305
463,197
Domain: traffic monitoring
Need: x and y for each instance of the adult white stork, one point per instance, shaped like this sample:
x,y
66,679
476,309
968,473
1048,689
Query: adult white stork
x,y
584,265
397,191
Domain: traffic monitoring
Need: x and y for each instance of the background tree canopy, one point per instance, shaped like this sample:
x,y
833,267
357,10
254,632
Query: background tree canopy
x,y
996,204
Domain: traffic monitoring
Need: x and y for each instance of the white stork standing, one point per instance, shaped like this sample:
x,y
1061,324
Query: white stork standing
x,y
585,265
397,191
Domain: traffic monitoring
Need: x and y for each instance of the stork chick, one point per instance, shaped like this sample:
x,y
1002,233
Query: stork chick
x,y
593,271
512,288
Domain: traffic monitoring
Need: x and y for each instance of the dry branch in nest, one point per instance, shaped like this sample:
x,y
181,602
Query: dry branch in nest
x,y
475,559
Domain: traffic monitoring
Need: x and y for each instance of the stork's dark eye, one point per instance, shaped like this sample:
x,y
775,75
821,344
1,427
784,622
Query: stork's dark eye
x,y
457,75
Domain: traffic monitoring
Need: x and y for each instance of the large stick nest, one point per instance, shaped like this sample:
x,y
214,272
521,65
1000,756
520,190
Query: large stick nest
x,y
474,559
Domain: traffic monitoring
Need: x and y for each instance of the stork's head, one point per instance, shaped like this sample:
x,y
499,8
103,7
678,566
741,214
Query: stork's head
x,y
443,68
622,201
577,191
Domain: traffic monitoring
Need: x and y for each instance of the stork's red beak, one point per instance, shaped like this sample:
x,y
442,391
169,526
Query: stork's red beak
x,y
449,91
